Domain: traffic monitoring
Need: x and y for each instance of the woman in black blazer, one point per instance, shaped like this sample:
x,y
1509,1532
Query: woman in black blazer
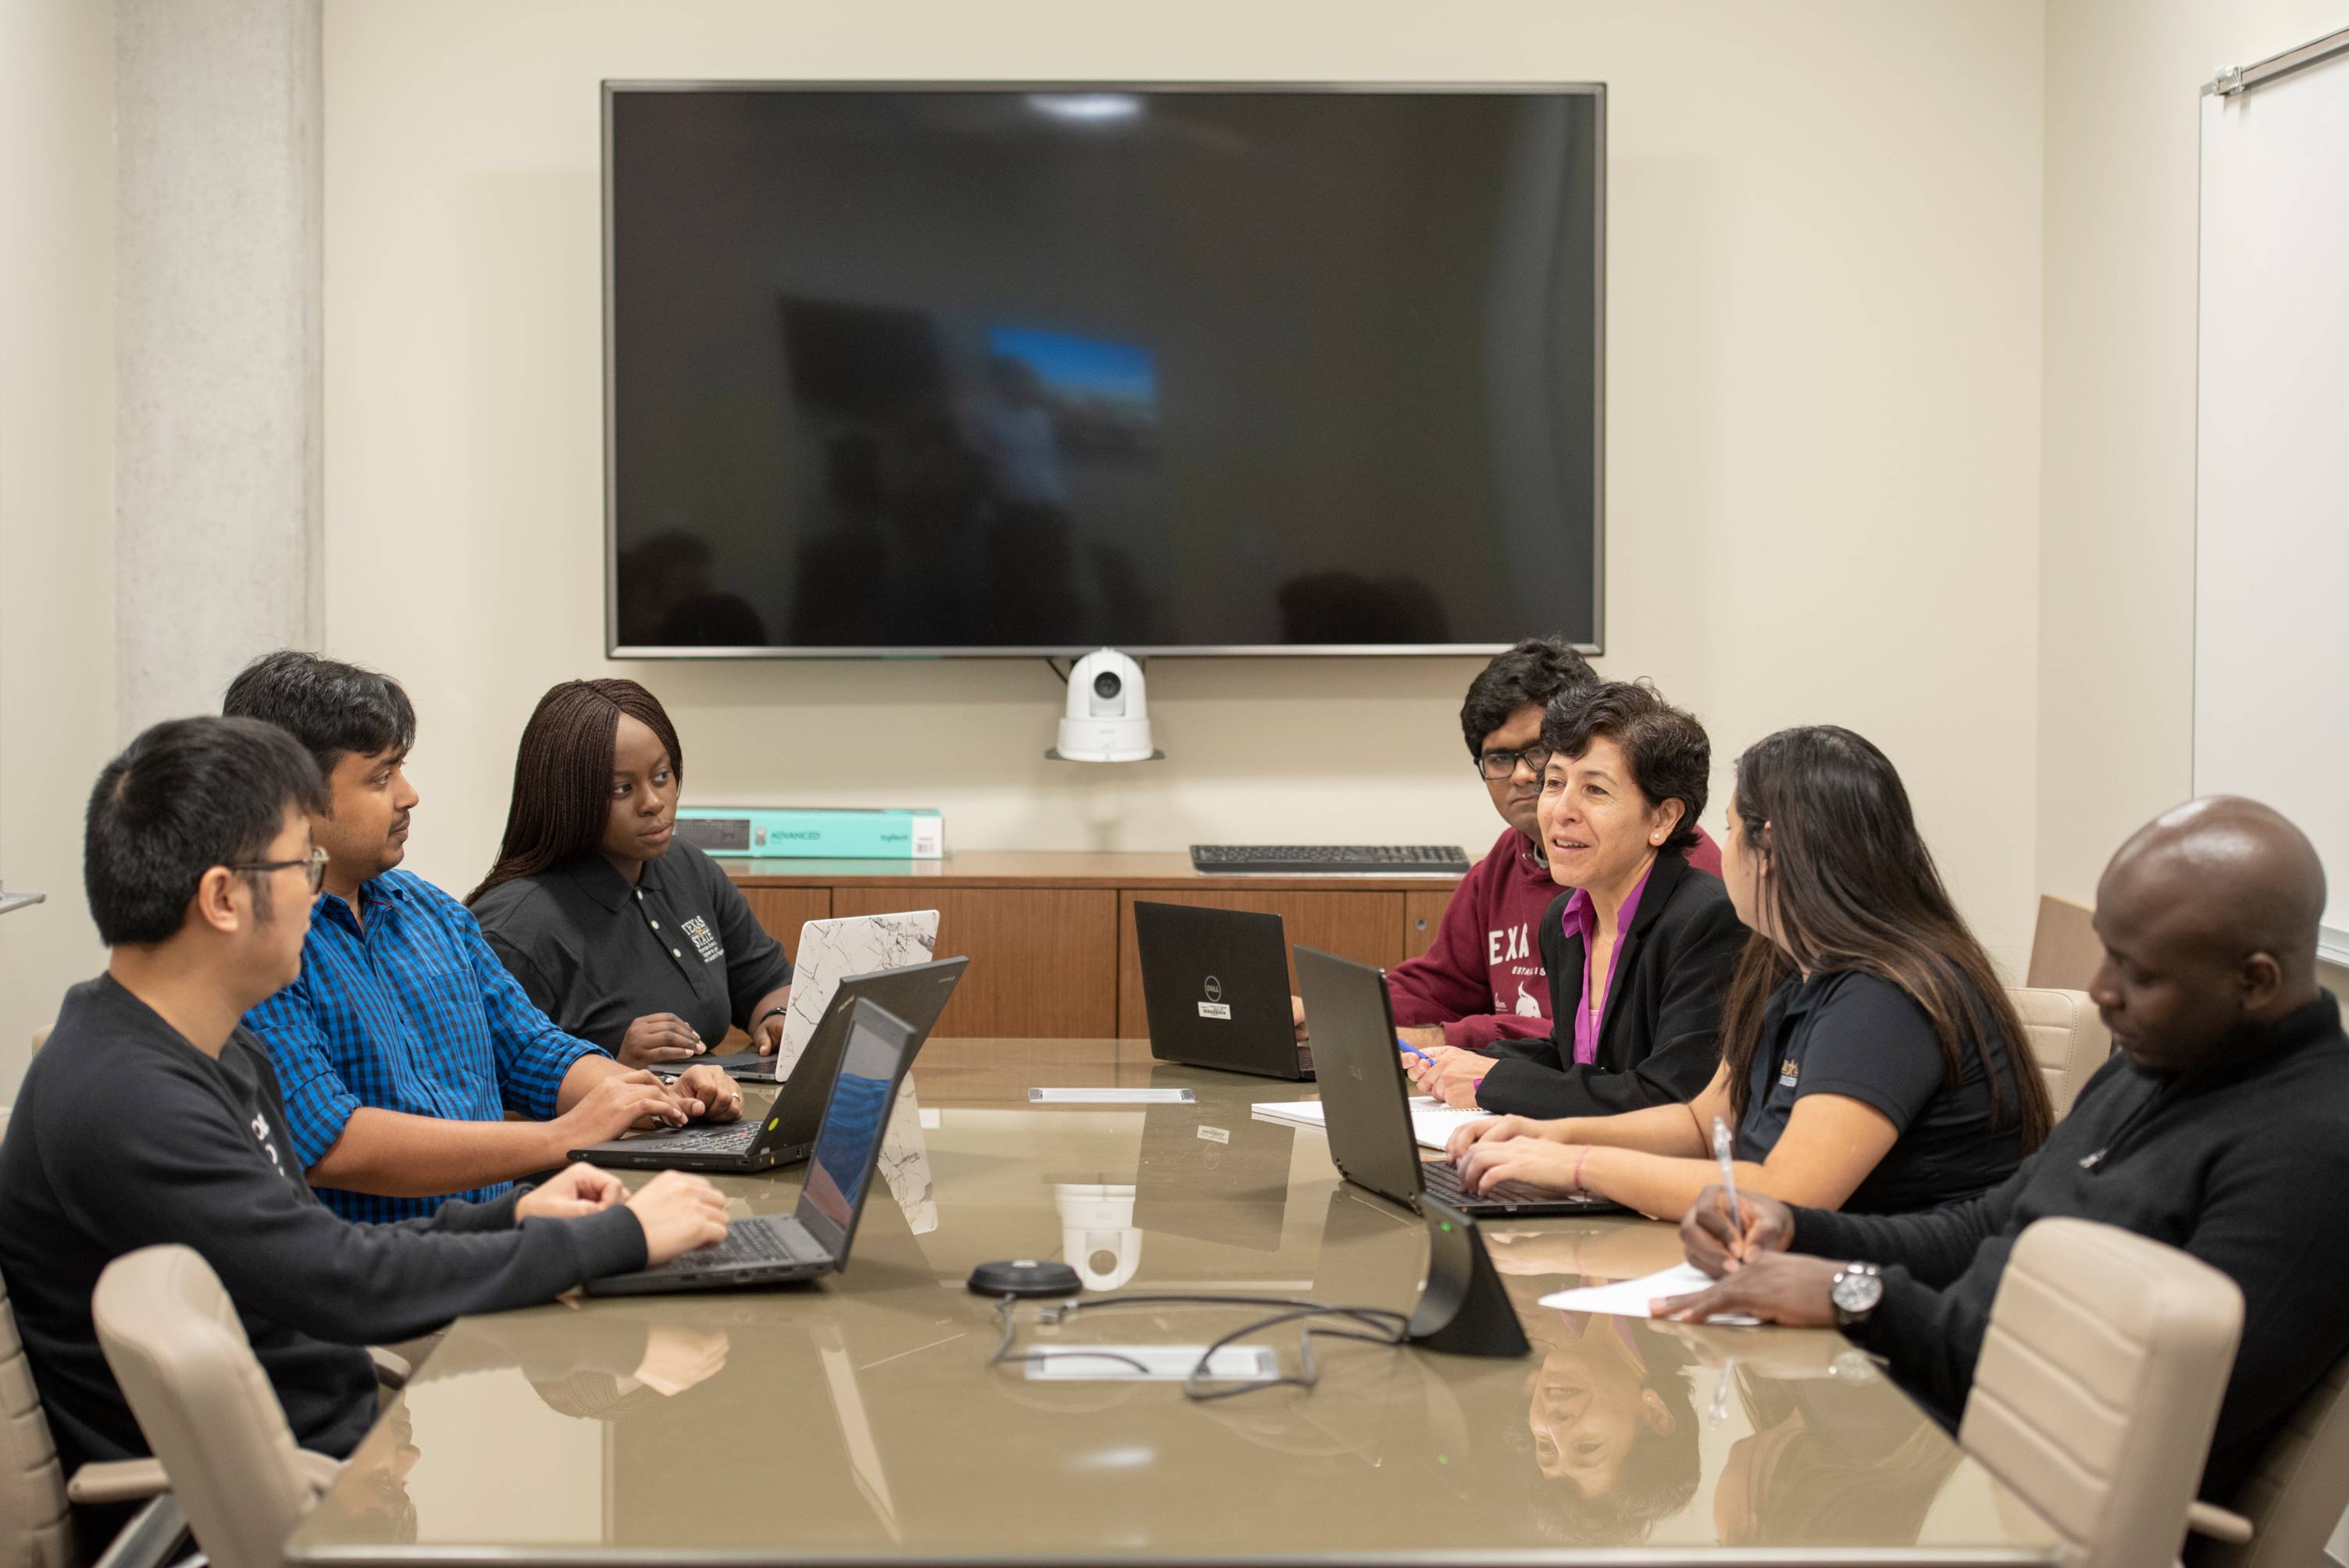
x,y
1621,794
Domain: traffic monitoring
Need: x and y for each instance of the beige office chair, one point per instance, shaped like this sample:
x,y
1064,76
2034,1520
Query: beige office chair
x,y
2285,1513
2099,1383
2067,1039
172,1337
36,1526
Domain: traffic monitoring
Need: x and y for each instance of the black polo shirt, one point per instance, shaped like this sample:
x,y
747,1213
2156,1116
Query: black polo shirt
x,y
596,954
1858,1036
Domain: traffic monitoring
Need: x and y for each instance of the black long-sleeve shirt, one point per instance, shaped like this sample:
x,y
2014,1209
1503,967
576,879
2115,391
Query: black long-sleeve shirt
x,y
1660,1040
125,1136
2244,1165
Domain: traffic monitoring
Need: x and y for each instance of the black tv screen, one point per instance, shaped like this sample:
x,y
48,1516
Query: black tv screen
x,y
1003,370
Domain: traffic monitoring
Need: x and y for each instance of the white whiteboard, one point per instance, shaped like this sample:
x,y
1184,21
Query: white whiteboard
x,y
2272,483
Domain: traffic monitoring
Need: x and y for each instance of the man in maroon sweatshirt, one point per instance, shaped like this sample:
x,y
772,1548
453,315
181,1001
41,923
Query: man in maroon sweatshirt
x,y
1481,979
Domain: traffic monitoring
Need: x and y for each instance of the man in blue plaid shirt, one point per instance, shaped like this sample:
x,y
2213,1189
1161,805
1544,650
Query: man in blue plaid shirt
x,y
406,1041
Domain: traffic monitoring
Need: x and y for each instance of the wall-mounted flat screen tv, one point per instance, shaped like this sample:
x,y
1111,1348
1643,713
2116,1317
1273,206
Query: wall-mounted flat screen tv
x,y
1019,370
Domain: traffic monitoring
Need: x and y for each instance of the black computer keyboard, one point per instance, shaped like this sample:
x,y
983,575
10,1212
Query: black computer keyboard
x,y
1442,1182
714,1140
1329,860
747,1241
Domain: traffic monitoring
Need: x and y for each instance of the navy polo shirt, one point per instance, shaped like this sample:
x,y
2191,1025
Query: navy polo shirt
x,y
598,955
1856,1034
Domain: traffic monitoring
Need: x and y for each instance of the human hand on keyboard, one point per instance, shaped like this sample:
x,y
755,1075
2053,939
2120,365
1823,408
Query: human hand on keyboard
x,y
708,1093
679,1212
574,1190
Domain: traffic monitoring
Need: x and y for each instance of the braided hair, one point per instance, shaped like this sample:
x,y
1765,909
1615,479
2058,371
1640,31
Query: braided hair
x,y
562,775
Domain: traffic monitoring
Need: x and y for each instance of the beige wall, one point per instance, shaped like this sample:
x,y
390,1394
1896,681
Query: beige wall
x,y
2116,528
1823,415
57,498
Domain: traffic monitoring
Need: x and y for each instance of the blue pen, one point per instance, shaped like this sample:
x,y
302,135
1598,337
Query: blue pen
x,y
1405,1045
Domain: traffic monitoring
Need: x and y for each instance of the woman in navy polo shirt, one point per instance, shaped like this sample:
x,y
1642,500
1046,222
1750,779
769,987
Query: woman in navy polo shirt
x,y
620,934
1870,1058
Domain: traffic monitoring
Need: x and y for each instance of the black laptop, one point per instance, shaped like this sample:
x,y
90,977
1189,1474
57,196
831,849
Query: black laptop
x,y
915,994
1366,1100
814,1238
1215,983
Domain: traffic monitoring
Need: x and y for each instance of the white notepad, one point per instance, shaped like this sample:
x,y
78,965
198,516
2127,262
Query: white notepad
x,y
1432,1122
1629,1297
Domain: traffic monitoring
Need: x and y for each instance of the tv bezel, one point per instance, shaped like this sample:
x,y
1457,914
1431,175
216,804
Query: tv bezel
x,y
1597,91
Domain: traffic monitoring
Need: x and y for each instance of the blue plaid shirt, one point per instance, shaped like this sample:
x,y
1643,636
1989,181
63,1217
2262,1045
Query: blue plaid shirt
x,y
412,1012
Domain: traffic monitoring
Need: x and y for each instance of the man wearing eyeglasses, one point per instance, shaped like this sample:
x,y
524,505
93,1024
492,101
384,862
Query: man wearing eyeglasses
x,y
1481,979
405,1042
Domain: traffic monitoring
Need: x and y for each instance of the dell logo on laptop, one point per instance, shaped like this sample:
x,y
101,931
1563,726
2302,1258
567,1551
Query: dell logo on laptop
x,y
1214,989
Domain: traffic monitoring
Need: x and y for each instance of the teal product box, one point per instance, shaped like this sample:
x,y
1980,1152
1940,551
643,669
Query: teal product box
x,y
813,832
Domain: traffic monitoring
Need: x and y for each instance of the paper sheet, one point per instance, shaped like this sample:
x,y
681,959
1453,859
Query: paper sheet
x,y
1630,1298
1432,1124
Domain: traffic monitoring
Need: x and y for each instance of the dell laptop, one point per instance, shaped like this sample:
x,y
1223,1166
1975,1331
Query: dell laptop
x,y
1215,983
813,1239
829,951
1366,1101
915,994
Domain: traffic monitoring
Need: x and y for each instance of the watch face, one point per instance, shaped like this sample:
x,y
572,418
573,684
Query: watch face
x,y
1856,1293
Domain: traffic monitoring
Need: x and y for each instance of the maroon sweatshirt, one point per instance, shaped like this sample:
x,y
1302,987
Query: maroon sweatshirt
x,y
1483,977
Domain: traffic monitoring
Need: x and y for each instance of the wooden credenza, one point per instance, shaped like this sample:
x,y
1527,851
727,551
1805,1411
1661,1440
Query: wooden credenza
x,y
1050,934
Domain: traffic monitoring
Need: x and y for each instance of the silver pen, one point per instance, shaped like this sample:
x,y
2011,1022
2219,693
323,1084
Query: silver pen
x,y
1725,1149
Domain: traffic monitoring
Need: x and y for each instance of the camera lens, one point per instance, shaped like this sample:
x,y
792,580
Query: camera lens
x,y
1106,685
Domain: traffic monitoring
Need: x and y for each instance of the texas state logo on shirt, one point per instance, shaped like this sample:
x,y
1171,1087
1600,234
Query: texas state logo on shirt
x,y
1519,985
705,941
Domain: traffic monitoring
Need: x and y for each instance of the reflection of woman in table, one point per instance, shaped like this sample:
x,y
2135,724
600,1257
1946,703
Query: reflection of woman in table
x,y
1829,1463
1611,1420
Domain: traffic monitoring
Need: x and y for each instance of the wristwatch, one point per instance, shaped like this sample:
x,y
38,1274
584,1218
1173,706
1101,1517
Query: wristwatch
x,y
1855,1291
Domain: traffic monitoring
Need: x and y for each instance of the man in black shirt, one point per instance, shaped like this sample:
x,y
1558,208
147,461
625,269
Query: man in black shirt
x,y
153,1117
2221,1126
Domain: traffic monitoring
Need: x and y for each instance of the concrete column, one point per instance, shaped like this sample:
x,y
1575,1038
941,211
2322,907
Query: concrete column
x,y
217,337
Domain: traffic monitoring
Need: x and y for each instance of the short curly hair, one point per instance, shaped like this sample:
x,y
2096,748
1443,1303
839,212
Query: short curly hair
x,y
1670,754
1534,672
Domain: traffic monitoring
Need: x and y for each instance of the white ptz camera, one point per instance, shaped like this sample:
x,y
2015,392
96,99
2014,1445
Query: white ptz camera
x,y
1108,716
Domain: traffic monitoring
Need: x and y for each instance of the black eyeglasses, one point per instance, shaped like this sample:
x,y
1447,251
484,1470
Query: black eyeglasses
x,y
315,862
1499,764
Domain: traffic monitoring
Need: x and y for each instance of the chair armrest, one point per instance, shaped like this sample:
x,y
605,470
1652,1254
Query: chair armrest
x,y
2207,1518
118,1481
391,1371
318,1470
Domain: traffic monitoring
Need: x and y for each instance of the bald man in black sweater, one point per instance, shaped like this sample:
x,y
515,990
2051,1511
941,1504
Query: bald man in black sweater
x,y
2221,1126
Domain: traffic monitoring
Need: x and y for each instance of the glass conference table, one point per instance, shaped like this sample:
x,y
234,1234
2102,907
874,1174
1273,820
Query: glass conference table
x,y
858,1420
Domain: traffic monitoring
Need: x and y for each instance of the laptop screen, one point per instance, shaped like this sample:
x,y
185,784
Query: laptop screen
x,y
855,1120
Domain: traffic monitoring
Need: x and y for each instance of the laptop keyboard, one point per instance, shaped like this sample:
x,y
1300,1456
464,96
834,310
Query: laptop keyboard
x,y
1443,1182
747,1241
714,1140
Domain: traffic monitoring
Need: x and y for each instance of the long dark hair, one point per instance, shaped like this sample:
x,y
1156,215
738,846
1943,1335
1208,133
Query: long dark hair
x,y
1841,869
562,775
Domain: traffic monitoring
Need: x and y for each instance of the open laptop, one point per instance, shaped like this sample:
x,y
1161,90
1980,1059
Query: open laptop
x,y
915,994
1365,1099
829,951
1215,983
814,1238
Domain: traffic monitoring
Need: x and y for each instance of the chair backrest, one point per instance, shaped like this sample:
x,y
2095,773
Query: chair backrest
x,y
172,1337
37,1527
2067,1039
2294,1500
41,1037
2099,1383
2064,948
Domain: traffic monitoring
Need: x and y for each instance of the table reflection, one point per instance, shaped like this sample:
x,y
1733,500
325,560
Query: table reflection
x,y
863,1414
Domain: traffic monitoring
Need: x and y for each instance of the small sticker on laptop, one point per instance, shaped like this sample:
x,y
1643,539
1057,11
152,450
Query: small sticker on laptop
x,y
1214,1135
1216,1010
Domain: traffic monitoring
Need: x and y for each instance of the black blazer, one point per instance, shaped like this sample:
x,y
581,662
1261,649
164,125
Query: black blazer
x,y
1660,1042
